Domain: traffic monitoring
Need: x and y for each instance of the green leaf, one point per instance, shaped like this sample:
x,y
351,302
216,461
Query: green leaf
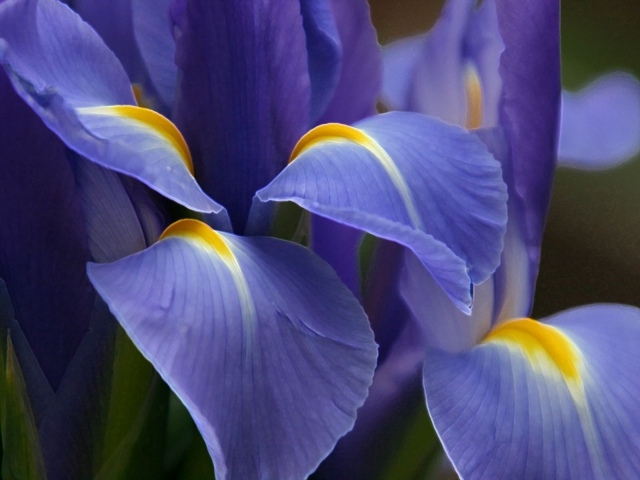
x,y
136,416
22,457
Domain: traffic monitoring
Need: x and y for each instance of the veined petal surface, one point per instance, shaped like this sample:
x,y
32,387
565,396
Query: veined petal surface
x,y
552,399
244,93
64,71
408,178
270,353
530,110
600,126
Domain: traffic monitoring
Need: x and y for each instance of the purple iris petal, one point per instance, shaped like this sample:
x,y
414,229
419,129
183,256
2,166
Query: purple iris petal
x,y
529,109
360,78
152,30
63,70
600,125
405,180
324,50
243,99
43,247
542,400
113,22
243,331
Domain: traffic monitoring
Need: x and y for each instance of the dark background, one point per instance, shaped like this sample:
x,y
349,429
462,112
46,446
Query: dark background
x,y
590,251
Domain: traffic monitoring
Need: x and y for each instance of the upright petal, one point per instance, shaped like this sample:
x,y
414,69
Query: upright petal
x,y
243,95
529,111
43,247
543,400
438,82
601,124
243,332
324,52
453,70
63,70
408,178
152,30
113,22
360,80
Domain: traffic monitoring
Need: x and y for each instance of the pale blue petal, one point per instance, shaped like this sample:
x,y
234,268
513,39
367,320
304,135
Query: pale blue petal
x,y
543,400
411,179
600,126
270,353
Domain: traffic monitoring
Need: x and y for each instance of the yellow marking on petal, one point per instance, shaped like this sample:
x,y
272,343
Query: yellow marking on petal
x,y
196,229
202,232
160,124
474,99
544,342
339,133
538,339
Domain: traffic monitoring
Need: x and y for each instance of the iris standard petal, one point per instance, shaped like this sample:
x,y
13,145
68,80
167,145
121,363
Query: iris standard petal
x,y
242,331
600,125
360,80
529,108
553,399
400,60
63,70
153,35
113,22
243,95
408,178
438,84
43,246
324,52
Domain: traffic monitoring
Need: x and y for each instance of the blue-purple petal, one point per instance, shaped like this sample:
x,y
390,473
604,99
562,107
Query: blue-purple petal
x,y
64,71
324,52
152,30
113,22
43,247
530,109
413,177
243,96
242,331
543,401
360,80
600,126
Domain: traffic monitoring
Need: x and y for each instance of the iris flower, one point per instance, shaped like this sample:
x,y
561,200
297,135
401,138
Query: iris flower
x,y
268,350
509,396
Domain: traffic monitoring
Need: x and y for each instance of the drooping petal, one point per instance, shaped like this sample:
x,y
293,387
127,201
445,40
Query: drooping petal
x,y
360,80
243,332
243,95
43,247
553,399
408,178
63,70
443,325
529,109
600,126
